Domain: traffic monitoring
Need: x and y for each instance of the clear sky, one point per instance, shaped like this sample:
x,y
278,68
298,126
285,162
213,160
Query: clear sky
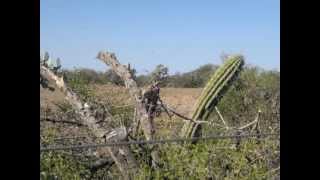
x,y
179,34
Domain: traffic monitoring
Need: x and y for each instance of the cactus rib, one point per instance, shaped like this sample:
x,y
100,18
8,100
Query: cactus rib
x,y
213,92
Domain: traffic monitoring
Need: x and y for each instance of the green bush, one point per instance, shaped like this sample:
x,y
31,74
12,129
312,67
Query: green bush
x,y
216,160
59,165
55,165
79,83
255,89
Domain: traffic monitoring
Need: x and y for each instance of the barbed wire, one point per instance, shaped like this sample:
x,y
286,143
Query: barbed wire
x,y
72,138
177,140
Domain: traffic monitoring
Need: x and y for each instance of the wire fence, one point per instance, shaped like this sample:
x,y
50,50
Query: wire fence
x,y
176,140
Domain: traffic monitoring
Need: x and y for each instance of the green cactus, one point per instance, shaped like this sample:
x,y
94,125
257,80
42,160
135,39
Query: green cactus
x,y
213,92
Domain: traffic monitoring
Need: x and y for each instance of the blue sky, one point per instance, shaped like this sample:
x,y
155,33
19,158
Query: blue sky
x,y
179,34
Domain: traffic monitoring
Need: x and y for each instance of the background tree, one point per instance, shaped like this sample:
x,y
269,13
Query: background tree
x,y
160,73
46,57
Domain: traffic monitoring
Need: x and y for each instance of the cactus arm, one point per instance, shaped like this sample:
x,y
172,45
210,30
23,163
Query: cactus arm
x,y
213,92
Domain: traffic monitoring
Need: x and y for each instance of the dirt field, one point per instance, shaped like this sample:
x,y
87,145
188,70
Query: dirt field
x,y
181,99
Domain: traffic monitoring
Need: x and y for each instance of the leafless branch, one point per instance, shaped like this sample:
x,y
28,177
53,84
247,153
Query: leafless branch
x,y
256,124
176,113
127,165
146,121
48,119
221,117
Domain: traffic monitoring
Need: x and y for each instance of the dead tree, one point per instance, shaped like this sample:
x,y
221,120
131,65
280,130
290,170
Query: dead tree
x,y
142,115
122,156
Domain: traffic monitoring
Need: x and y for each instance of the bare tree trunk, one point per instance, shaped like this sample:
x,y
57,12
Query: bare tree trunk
x,y
146,122
125,161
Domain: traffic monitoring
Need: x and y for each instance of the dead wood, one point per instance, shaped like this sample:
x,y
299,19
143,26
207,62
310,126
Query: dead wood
x,y
142,116
127,165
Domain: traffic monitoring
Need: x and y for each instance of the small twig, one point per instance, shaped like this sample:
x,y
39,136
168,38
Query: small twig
x,y
211,123
273,170
186,118
135,115
136,122
176,113
217,110
127,105
256,125
165,109
62,121
247,125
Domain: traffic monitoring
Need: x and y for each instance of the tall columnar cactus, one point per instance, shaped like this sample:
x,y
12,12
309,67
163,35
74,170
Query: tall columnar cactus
x,y
213,92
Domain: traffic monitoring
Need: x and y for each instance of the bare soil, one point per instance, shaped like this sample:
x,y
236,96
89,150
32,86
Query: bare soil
x,y
180,99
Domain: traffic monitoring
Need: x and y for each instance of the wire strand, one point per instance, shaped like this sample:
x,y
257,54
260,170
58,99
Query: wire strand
x,y
86,146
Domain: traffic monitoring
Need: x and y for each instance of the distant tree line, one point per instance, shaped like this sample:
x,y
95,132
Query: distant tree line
x,y
193,79
90,76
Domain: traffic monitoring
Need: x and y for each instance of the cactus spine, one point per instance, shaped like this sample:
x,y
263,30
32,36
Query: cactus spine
x,y
213,92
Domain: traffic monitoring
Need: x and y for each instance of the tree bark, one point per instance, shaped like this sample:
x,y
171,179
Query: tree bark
x,y
146,122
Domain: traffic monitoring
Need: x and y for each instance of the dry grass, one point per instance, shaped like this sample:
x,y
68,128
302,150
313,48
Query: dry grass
x,y
49,98
181,99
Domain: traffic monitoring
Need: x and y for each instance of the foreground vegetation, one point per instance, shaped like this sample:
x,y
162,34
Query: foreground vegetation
x,y
255,90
